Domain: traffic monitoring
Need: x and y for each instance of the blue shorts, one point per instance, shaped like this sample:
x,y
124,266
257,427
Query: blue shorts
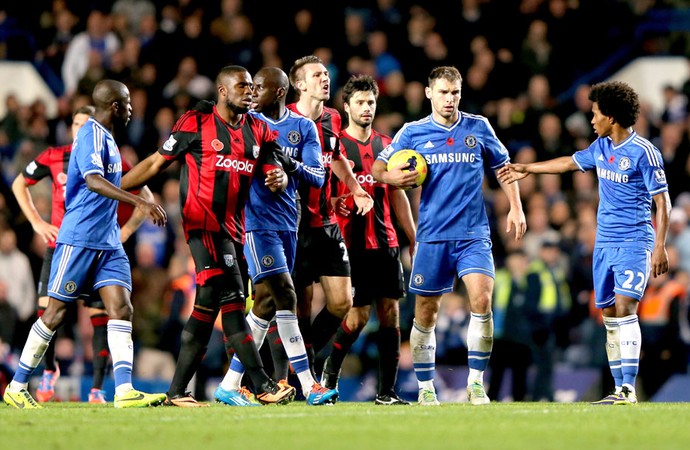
x,y
436,264
619,270
79,271
269,252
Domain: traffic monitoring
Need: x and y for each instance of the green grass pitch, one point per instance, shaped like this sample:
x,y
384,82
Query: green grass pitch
x,y
352,426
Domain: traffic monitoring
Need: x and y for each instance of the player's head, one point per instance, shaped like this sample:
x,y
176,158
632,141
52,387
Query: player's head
x,y
359,99
80,116
613,103
234,86
270,89
112,102
309,77
445,84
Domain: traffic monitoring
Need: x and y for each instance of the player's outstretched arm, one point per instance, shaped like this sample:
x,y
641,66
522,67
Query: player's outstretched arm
x,y
343,171
144,171
46,230
659,255
96,183
137,218
395,177
514,172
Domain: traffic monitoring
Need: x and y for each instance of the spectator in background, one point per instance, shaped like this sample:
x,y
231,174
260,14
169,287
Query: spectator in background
x,y
15,272
95,45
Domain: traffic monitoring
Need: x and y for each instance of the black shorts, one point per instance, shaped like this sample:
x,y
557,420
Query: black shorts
x,y
376,274
218,254
91,299
321,252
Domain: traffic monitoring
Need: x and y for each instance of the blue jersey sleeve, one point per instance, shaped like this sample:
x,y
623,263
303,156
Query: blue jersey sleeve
x,y
401,141
88,150
311,170
584,159
496,152
651,167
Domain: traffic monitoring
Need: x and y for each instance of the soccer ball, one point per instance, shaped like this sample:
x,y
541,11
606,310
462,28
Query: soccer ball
x,y
417,162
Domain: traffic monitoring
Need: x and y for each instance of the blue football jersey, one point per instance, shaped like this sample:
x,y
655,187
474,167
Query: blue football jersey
x,y
629,174
452,205
297,136
90,218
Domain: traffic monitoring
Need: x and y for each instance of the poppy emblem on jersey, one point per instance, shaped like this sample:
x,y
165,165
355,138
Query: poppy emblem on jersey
x,y
624,163
169,144
229,260
418,280
255,150
450,141
470,141
267,261
217,145
70,287
62,178
294,137
611,159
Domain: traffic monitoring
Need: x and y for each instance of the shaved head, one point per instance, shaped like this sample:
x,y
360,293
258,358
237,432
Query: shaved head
x,y
108,91
274,76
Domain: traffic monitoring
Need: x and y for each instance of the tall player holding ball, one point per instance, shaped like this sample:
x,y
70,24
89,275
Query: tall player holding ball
x,y
453,229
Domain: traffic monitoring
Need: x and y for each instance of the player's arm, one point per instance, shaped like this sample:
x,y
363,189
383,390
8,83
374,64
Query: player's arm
x,y
341,168
659,255
46,230
513,172
516,217
403,213
95,182
137,217
396,176
144,171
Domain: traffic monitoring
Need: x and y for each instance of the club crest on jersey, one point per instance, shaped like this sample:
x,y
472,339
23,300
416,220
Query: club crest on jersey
x,y
255,150
169,144
470,141
217,145
267,261
229,260
660,176
294,137
418,280
70,287
624,163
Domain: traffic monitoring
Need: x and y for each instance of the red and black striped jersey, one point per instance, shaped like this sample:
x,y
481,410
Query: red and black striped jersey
x,y
218,162
374,230
53,163
316,208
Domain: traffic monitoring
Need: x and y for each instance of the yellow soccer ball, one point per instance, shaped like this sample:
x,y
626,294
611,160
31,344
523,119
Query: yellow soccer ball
x,y
416,161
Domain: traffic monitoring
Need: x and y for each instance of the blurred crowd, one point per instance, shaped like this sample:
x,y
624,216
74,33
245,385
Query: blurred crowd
x,y
518,58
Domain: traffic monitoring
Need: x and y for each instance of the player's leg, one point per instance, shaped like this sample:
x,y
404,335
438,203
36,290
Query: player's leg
x,y
345,336
237,331
64,286
304,278
51,370
475,266
388,340
604,283
101,354
631,268
113,282
431,276
334,275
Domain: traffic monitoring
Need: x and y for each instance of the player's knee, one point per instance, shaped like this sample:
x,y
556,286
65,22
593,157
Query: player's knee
x,y
389,313
121,311
357,318
53,317
264,307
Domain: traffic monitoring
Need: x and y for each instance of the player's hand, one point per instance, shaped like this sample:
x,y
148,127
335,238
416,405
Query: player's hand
x,y
363,201
401,178
340,205
47,231
659,261
512,172
276,180
516,219
154,212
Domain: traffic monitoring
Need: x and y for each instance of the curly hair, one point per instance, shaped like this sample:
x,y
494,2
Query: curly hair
x,y
359,83
618,100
